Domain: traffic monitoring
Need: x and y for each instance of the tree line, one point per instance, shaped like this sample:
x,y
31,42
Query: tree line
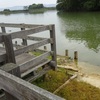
x,y
78,5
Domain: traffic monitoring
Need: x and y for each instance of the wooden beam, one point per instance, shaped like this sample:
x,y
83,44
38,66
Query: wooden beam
x,y
1,39
34,68
24,33
39,74
53,45
35,38
3,29
24,40
18,25
9,48
12,69
32,46
33,62
23,90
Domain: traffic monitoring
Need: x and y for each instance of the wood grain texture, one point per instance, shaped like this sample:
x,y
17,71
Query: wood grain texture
x,y
53,45
9,48
24,33
32,47
19,25
23,90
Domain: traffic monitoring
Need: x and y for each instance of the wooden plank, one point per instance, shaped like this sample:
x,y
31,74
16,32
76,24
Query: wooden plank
x,y
19,25
23,58
32,46
23,90
34,68
35,38
3,29
9,48
24,40
62,86
39,74
12,69
33,62
53,45
2,54
1,39
24,33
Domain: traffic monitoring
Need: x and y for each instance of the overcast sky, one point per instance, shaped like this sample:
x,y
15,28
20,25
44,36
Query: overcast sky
x,y
10,3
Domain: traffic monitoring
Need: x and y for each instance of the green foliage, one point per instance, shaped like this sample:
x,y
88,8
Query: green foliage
x,y
53,80
72,91
35,6
6,11
79,91
78,5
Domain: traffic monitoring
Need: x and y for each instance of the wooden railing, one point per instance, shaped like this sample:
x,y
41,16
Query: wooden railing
x,y
23,34
18,89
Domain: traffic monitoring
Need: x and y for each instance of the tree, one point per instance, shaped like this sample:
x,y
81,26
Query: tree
x,y
78,5
35,6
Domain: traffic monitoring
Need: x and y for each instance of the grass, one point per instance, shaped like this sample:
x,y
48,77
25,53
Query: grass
x,y
73,91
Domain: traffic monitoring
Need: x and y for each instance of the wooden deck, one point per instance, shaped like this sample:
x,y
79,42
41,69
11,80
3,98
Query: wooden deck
x,y
26,63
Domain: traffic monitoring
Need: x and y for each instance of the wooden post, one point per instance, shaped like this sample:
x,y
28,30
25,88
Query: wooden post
x,y
45,48
66,53
9,48
24,40
3,29
53,45
75,55
12,69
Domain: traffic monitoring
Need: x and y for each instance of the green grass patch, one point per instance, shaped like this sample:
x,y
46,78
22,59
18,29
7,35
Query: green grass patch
x,y
52,81
74,90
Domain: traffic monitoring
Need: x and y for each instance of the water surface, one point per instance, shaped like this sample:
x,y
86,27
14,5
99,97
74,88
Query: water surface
x,y
74,31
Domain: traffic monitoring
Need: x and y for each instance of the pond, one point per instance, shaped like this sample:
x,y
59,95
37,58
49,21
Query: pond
x,y
74,31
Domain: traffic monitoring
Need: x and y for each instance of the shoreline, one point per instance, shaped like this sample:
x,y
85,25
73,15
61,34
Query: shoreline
x,y
86,72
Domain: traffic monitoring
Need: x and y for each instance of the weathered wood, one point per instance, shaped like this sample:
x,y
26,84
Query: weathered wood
x,y
9,48
34,68
75,55
25,66
66,53
45,48
41,73
1,39
2,54
19,25
35,38
12,69
23,58
62,86
24,33
53,45
24,90
24,40
32,47
3,29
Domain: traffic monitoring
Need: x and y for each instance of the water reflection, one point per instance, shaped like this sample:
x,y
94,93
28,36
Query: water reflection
x,y
84,27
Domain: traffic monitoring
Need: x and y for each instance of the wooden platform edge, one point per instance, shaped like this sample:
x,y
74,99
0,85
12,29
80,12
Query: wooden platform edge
x,y
23,90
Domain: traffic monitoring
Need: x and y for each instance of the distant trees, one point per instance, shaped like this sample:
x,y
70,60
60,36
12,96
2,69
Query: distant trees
x,y
6,11
25,8
78,5
35,6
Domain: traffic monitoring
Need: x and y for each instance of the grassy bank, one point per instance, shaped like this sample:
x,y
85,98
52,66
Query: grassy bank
x,y
42,10
73,91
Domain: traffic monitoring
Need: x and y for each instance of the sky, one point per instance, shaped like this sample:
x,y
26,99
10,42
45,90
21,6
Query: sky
x,y
10,3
